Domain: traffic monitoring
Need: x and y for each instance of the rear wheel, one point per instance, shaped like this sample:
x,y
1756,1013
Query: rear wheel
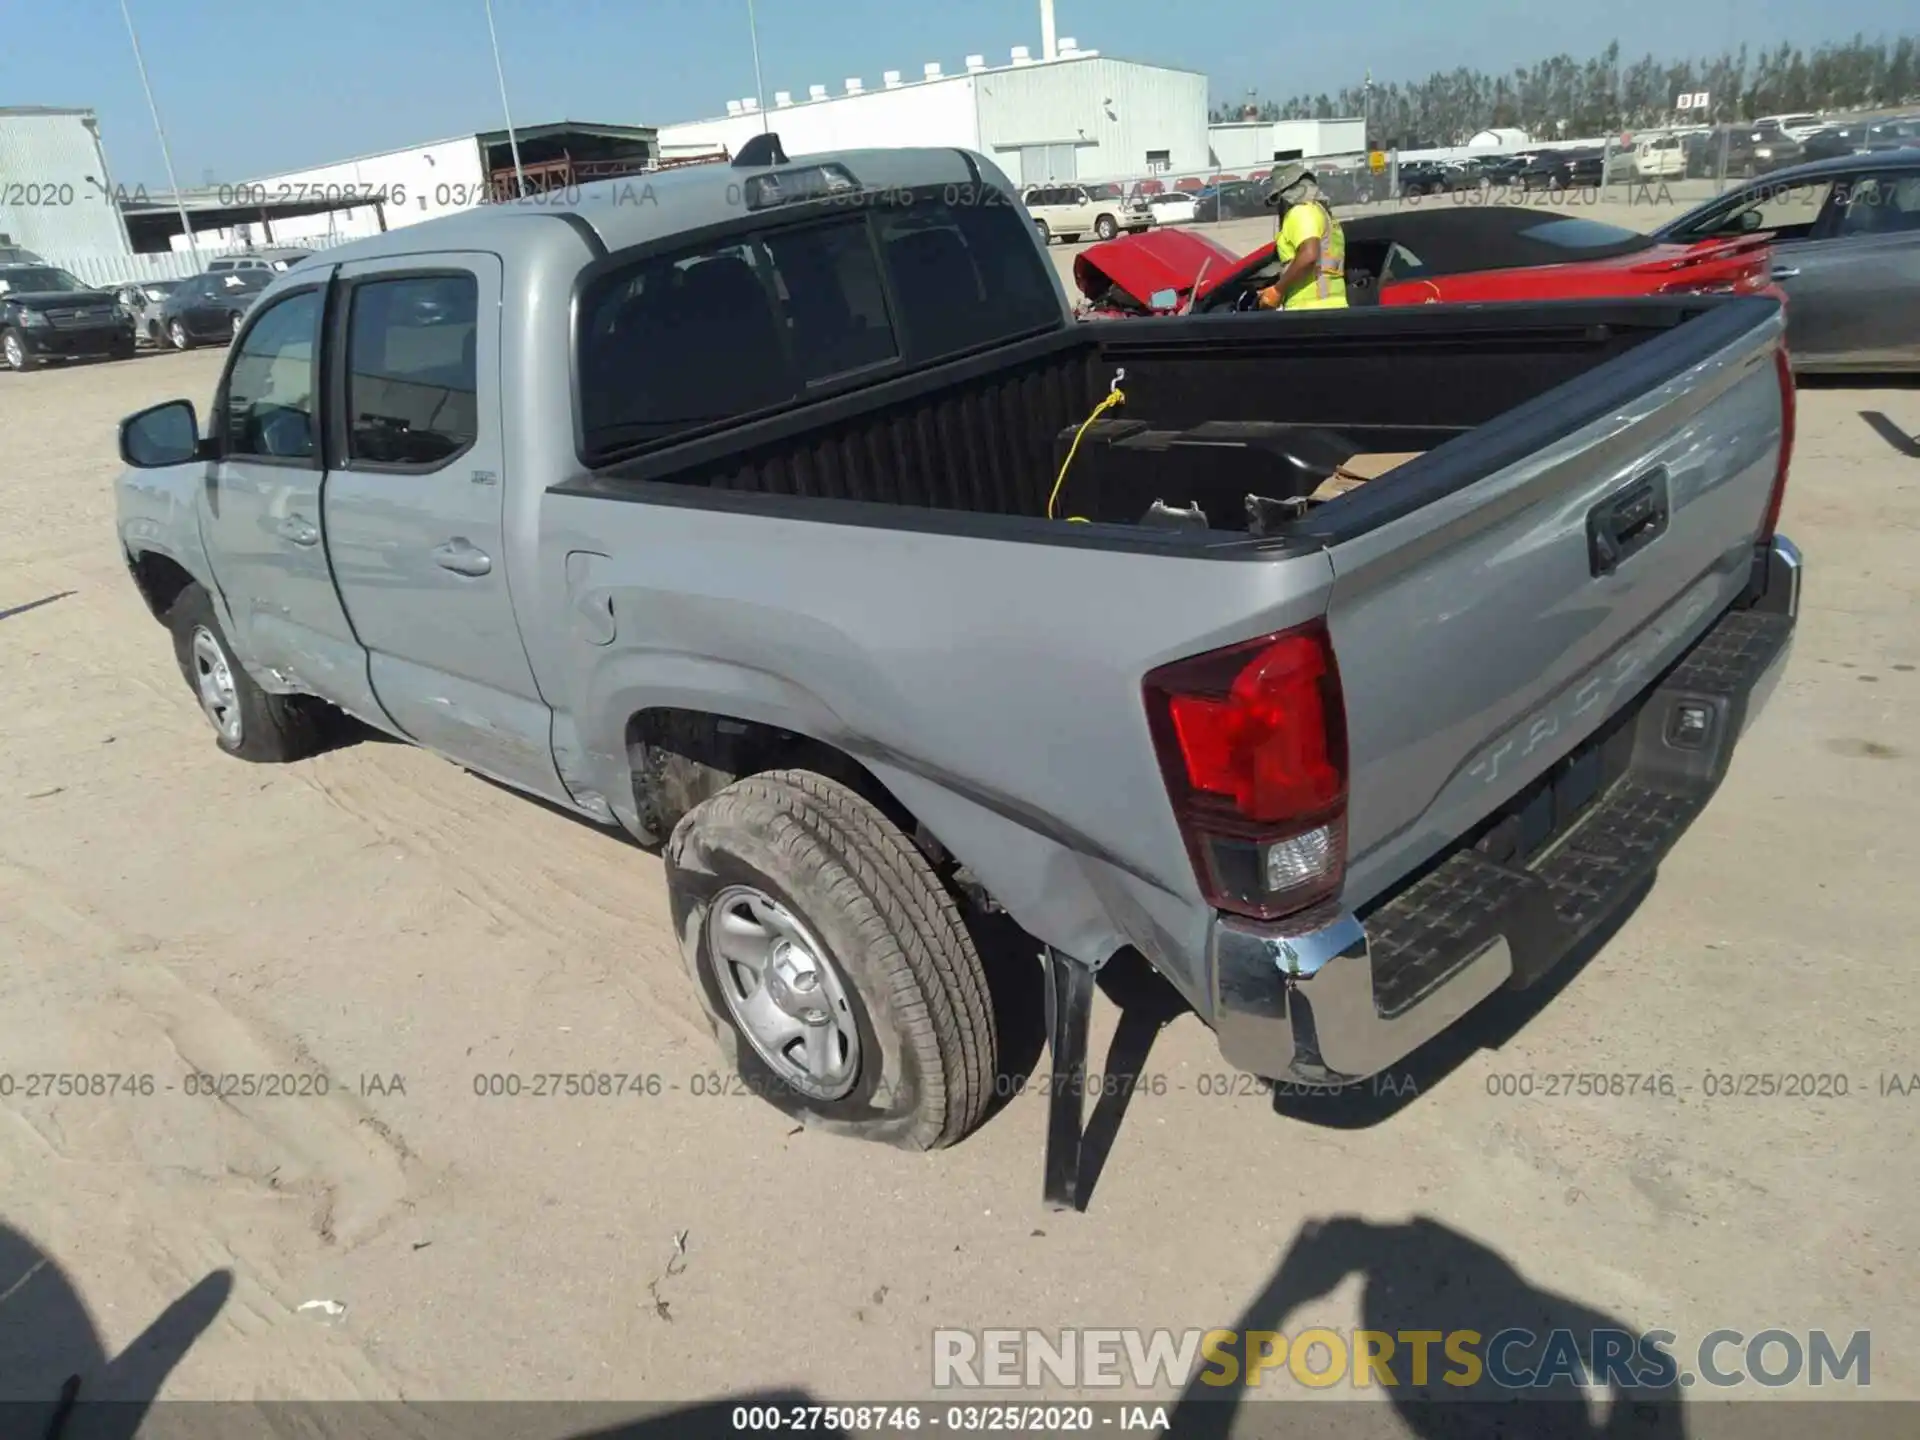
x,y
1105,227
1046,235
247,721
841,982
234,333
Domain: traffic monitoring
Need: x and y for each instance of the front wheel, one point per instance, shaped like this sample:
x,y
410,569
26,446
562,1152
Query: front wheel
x,y
177,335
1106,227
247,721
841,982
14,351
239,319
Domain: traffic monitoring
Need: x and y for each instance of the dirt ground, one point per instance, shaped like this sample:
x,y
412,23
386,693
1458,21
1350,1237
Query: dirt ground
x,y
383,918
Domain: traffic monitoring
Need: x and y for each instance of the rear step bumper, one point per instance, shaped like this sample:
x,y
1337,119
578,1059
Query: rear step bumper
x,y
1347,1000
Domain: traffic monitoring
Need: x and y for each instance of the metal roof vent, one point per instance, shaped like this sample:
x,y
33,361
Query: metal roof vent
x,y
855,85
816,92
930,70
1022,55
891,79
783,98
750,105
734,107
1068,46
976,63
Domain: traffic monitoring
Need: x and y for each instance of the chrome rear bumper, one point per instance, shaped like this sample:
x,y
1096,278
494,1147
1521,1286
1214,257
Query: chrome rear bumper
x,y
1346,1000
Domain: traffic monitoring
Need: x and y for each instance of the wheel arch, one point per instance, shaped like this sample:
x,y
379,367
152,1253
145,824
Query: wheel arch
x,y
678,757
160,578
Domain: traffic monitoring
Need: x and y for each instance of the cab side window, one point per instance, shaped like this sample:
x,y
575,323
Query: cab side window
x,y
269,399
412,369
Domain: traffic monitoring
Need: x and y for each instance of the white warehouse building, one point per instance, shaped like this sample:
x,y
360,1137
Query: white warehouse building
x,y
56,196
1072,115
1249,146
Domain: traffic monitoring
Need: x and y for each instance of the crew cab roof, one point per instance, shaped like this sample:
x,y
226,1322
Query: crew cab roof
x,y
636,209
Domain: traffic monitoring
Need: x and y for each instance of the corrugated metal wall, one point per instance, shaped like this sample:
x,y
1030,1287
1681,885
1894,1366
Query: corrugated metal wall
x,y
1249,147
53,185
938,112
1115,113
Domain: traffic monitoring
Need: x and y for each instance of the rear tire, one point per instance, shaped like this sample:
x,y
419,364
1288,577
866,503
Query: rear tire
x,y
1046,235
794,873
246,720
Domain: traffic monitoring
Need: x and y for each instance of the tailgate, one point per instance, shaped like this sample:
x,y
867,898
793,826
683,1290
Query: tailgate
x,y
1496,604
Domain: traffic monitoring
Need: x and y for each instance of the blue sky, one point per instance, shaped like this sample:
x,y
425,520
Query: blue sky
x,y
248,89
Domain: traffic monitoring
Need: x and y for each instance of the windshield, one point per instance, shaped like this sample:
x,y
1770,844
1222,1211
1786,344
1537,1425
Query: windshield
x,y
1103,192
49,279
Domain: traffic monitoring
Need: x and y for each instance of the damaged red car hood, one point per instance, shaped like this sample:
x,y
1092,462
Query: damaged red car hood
x,y
1166,258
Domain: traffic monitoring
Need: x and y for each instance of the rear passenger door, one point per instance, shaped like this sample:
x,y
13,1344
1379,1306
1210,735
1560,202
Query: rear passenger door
x,y
414,510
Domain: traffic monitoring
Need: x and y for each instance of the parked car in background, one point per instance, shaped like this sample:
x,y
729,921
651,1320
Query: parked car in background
x,y
1660,157
208,309
1425,255
1434,177
1747,150
1796,127
1846,251
1233,200
1174,208
20,255
141,299
275,260
1066,212
46,313
1493,169
1563,170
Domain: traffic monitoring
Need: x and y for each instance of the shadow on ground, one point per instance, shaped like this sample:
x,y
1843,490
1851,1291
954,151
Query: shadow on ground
x,y
52,1358
1423,1276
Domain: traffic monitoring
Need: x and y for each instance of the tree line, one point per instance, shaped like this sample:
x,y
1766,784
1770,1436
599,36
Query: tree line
x,y
1563,95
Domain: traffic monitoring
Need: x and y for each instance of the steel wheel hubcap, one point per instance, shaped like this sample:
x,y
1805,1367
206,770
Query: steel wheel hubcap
x,y
179,334
783,992
213,680
14,352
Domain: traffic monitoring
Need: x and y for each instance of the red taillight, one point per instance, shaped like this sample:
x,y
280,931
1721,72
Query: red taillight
x,y
1783,368
1252,744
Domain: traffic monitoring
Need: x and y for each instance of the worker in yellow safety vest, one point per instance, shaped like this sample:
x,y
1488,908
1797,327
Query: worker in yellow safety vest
x,y
1311,245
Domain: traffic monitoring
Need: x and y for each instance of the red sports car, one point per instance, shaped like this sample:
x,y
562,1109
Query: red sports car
x,y
1414,257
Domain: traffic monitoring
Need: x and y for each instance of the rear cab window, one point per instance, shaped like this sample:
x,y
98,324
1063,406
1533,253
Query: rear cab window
x,y
681,341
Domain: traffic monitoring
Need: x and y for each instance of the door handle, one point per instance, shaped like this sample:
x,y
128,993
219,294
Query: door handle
x,y
299,530
463,557
1787,273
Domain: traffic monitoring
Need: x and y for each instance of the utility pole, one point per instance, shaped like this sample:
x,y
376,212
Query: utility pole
x,y
166,156
513,141
759,86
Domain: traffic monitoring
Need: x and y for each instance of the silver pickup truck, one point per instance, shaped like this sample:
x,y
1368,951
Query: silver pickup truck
x,y
779,514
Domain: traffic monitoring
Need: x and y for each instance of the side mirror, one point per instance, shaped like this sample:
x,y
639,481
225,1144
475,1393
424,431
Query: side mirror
x,y
167,434
1164,300
1749,221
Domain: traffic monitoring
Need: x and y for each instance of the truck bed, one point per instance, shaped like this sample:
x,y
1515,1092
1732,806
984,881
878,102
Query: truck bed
x,y
982,435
